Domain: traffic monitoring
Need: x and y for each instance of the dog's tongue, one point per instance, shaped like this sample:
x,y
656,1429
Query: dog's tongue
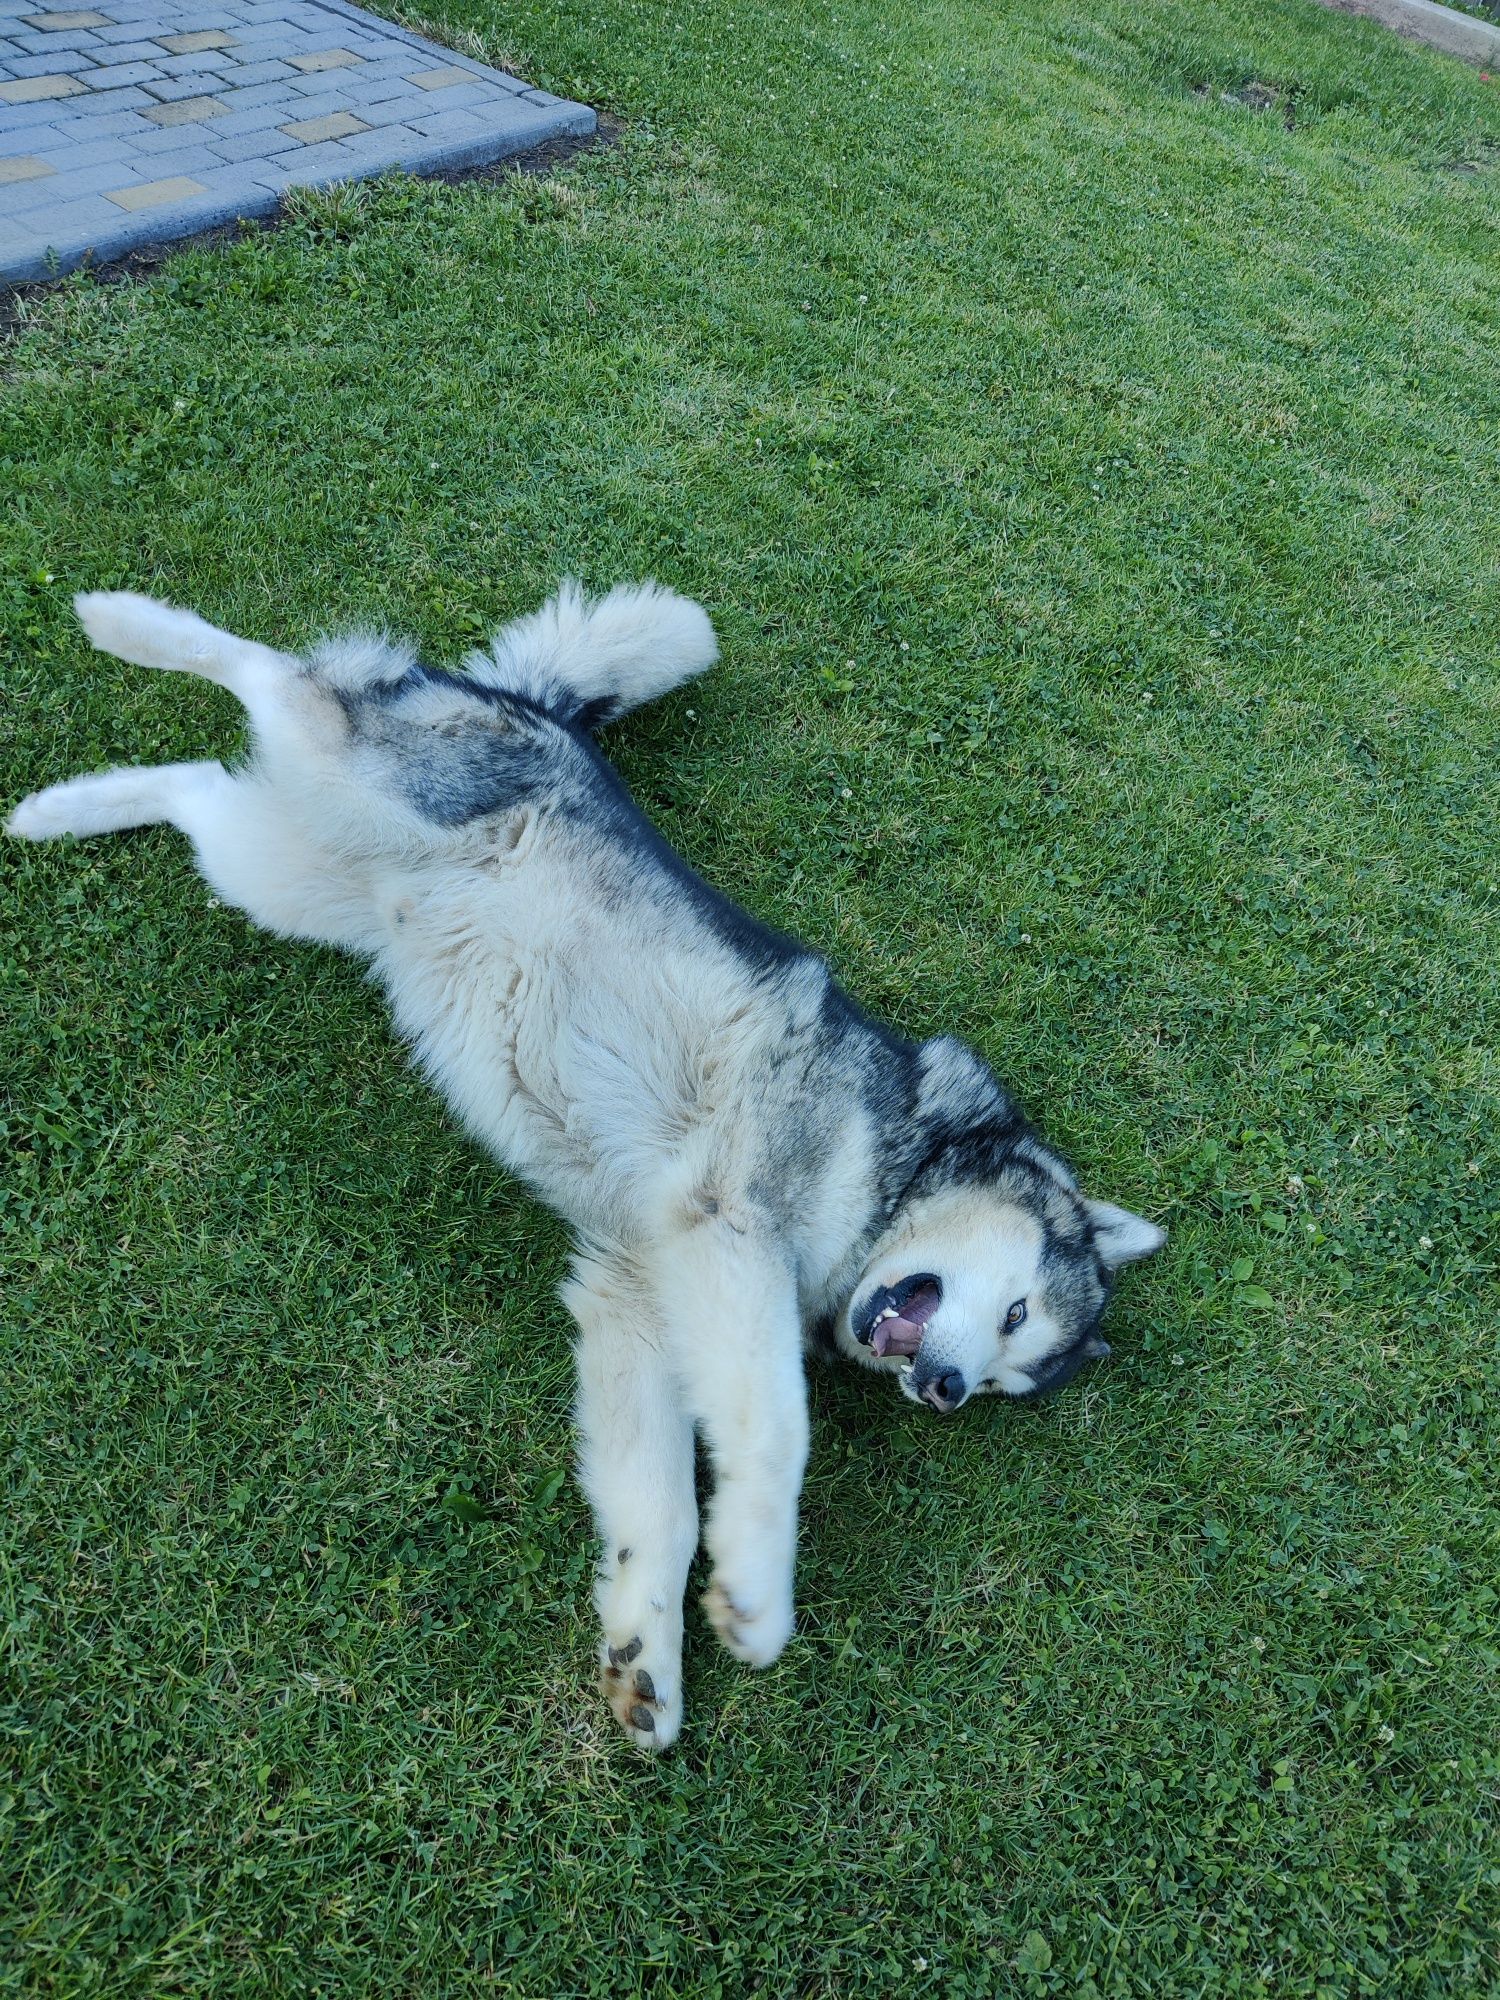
x,y
902,1334
896,1336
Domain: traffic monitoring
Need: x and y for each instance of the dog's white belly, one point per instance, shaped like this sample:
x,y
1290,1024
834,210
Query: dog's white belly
x,y
602,1056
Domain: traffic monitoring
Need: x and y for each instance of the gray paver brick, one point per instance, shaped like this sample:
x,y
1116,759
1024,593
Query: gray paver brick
x,y
156,139
457,97
124,29
207,62
314,94
16,117
194,159
262,72
256,145
120,74
271,41
262,93
227,191
128,52
73,61
30,43
313,158
25,43
71,219
117,125
396,110
36,137
79,154
275,174
100,103
448,125
179,90
264,118
320,65
375,69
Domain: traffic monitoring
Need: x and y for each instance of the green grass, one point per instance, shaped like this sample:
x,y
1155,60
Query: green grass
x,y
1094,482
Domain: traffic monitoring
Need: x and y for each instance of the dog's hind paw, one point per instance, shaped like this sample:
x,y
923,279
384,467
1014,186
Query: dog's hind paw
x,y
644,1691
36,819
79,806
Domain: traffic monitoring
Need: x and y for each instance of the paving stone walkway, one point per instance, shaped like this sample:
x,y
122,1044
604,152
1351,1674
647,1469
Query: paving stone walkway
x,y
141,121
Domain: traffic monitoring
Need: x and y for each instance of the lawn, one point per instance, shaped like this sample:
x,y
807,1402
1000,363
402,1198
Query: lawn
x,y
1094,481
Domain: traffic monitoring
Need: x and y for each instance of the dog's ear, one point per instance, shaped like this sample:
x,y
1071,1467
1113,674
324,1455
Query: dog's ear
x,y
1120,1237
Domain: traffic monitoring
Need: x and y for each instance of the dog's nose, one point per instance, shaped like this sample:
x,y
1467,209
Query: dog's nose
x,y
945,1392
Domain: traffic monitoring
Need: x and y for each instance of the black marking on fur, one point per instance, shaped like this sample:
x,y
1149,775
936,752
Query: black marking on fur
x,y
603,805
593,715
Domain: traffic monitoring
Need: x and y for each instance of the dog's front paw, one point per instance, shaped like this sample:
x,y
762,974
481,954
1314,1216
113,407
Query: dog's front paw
x,y
753,1624
643,1685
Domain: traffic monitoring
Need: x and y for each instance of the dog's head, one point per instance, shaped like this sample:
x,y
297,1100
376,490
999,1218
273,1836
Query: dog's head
x,y
994,1286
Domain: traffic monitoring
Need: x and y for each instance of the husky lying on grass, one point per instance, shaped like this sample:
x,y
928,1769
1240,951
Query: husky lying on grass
x,y
745,1158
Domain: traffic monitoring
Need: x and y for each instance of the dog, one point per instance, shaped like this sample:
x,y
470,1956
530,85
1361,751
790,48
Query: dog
x,y
747,1161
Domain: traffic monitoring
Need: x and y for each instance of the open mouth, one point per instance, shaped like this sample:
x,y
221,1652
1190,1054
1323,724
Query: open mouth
x,y
894,1317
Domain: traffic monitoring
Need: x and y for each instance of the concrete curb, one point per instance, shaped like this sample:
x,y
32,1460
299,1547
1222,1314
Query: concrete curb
x,y
1461,35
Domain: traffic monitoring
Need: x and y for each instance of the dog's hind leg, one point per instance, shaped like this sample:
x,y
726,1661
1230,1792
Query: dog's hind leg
x,y
112,801
636,1466
740,1355
150,634
248,849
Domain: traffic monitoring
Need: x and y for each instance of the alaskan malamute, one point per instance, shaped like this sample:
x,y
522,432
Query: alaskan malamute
x,y
746,1160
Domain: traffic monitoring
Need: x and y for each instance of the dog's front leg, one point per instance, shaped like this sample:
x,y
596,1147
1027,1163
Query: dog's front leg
x,y
740,1354
636,1465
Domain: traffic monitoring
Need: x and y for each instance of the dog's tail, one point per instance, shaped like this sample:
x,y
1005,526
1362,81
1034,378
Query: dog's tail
x,y
597,661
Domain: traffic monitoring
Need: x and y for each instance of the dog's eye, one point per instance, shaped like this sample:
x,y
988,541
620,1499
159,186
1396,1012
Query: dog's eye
x,y
1015,1316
